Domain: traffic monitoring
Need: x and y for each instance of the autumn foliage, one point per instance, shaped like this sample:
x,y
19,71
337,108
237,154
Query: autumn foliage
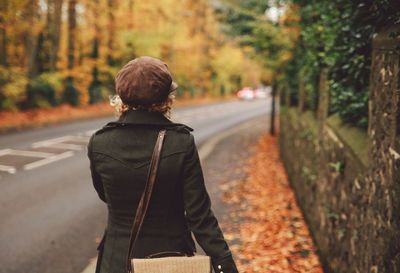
x,y
273,236
69,51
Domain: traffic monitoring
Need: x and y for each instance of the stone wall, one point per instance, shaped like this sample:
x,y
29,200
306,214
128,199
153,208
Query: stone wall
x,y
347,181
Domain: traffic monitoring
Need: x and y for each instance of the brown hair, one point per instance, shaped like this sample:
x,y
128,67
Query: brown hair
x,y
163,107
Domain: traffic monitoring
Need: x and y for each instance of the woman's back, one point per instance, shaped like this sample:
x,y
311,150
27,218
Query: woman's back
x,y
120,154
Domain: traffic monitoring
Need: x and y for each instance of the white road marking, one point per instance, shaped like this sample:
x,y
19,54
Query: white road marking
x,y
66,146
8,169
80,138
52,141
90,132
48,160
5,152
57,143
29,153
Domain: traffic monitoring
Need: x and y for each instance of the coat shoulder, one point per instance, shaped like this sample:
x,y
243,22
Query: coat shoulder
x,y
107,127
181,128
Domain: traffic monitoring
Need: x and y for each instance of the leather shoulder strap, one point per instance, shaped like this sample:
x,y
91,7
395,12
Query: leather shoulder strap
x,y
145,199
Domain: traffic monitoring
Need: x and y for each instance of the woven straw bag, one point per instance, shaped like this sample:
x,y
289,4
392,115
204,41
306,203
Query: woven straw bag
x,y
195,264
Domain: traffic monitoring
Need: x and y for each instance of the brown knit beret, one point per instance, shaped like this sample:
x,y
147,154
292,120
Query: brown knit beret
x,y
144,81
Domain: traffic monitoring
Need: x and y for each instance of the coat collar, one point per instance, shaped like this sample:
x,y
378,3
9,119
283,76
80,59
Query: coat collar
x,y
140,117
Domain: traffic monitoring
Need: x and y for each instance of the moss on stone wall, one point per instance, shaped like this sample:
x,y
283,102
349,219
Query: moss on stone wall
x,y
356,138
346,210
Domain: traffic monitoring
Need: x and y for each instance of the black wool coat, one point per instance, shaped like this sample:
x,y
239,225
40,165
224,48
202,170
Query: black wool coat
x,y
119,155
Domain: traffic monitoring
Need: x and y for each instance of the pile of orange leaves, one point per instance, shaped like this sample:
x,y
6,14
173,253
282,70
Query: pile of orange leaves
x,y
271,235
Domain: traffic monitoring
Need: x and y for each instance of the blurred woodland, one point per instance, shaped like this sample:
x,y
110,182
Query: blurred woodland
x,y
68,51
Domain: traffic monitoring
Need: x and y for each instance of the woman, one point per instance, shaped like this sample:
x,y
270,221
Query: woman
x,y
119,159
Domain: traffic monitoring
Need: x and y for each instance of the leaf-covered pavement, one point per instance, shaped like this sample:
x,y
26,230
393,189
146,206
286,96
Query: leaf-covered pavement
x,y
266,229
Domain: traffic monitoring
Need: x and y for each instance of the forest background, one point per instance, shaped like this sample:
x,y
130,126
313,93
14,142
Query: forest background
x,y
68,51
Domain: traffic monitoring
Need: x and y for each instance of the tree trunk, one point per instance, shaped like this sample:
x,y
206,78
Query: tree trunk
x,y
71,33
131,5
55,33
111,31
272,128
71,94
94,88
50,38
31,37
3,34
96,39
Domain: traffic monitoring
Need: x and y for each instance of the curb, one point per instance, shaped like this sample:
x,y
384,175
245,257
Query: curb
x,y
207,148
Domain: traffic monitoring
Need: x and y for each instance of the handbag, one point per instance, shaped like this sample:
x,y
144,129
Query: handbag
x,y
164,262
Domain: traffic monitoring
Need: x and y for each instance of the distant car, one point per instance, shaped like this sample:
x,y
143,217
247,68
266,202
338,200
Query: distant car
x,y
246,94
260,93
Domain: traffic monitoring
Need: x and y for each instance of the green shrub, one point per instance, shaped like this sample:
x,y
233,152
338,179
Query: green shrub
x,y
12,88
43,91
106,76
338,34
95,91
71,94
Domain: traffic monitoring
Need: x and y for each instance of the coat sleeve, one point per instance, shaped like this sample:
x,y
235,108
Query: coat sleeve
x,y
199,215
98,185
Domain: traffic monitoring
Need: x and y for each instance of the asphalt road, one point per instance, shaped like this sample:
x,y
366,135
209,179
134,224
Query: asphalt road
x,y
50,214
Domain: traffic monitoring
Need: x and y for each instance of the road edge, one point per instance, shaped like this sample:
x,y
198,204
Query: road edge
x,y
9,129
